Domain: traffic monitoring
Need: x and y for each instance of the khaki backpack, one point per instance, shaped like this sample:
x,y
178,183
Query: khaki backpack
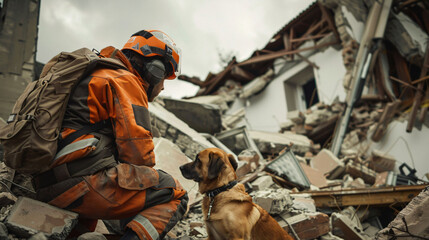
x,y
31,136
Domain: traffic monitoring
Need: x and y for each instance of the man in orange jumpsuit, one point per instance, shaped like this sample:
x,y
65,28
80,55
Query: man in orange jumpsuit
x,y
104,165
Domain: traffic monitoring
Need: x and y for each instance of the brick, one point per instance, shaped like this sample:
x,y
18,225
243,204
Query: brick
x,y
308,225
29,217
262,183
325,161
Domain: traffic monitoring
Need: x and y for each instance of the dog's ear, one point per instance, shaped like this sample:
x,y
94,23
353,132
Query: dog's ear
x,y
233,161
215,165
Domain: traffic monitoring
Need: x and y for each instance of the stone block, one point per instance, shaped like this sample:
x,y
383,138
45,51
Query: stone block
x,y
273,201
29,217
325,161
262,183
307,226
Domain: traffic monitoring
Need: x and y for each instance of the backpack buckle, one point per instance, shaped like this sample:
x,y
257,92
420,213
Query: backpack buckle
x,y
29,117
11,118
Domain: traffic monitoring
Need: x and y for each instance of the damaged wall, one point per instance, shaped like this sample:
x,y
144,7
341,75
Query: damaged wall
x,y
18,36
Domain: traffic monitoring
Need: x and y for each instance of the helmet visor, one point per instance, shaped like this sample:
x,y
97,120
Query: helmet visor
x,y
169,42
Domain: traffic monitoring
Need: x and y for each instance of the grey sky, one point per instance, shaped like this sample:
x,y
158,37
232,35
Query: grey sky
x,y
201,28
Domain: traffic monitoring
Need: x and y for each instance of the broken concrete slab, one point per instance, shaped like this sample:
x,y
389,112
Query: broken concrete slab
x,y
177,131
325,161
304,202
307,225
169,158
204,118
270,143
274,201
212,100
29,217
414,218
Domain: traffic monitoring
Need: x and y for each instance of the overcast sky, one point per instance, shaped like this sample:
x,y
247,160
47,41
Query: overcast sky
x,y
201,28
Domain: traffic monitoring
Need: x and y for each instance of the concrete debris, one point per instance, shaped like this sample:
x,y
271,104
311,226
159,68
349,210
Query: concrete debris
x,y
343,227
262,183
274,201
277,113
325,161
270,143
29,217
203,118
413,220
304,203
175,130
251,157
92,236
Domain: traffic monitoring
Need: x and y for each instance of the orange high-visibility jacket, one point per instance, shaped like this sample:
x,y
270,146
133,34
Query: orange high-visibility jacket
x,y
118,96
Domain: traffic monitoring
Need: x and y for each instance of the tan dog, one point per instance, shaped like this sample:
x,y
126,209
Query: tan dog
x,y
228,210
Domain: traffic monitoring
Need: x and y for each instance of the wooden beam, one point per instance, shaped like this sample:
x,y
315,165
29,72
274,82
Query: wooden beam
x,y
328,18
419,92
309,37
383,196
307,61
194,80
239,73
282,53
219,77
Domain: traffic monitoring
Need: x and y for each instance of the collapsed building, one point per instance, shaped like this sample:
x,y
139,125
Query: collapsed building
x,y
328,123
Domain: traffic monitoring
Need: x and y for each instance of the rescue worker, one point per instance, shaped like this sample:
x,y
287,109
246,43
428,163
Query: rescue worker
x,y
104,166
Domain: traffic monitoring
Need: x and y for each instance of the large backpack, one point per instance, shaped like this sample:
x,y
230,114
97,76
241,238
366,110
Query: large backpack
x,y
31,136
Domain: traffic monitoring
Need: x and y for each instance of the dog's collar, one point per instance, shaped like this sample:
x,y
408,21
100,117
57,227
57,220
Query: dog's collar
x,y
216,191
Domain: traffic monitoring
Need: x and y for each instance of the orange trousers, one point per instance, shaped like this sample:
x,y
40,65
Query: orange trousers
x,y
150,213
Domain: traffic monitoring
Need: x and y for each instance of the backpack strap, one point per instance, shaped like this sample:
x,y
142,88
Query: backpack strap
x,y
85,130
